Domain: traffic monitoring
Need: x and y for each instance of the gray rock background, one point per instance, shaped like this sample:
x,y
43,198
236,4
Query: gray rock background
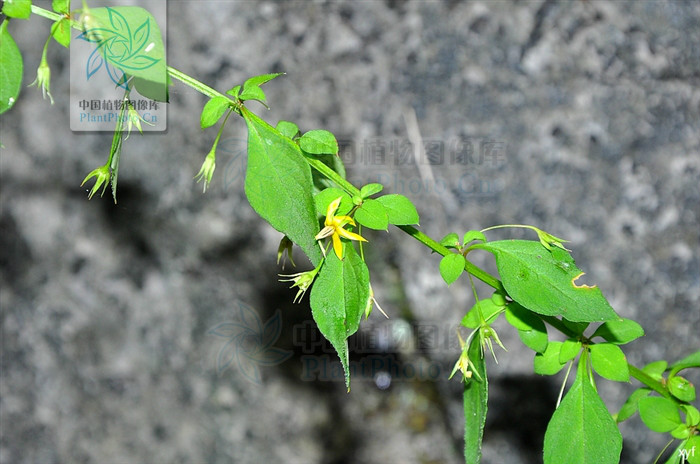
x,y
589,114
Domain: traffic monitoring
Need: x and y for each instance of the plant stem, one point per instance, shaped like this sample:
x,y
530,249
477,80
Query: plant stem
x,y
650,382
410,230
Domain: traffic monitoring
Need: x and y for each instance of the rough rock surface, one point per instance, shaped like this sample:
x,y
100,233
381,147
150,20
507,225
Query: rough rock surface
x,y
582,118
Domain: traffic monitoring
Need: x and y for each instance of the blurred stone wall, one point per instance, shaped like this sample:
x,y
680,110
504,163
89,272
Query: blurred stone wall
x,y
579,117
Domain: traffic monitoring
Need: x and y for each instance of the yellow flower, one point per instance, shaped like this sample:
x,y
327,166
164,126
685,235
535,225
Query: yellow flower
x,y
43,78
207,170
334,228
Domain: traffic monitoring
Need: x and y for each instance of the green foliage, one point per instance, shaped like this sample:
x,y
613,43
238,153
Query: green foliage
x,y
399,210
544,281
21,9
338,300
213,110
11,67
278,185
451,267
372,214
319,142
476,393
297,183
581,430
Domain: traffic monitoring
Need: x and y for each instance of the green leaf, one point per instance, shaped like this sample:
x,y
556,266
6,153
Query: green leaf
x,y
115,29
610,362
692,415
581,430
325,197
544,281
319,142
681,388
531,329
288,129
372,214
476,393
619,331
548,363
213,110
61,31
631,405
489,310
60,6
21,9
692,449
253,93
534,339
450,240
576,327
10,69
659,414
400,210
338,300
370,189
278,185
569,349
256,81
472,235
234,91
451,267
655,369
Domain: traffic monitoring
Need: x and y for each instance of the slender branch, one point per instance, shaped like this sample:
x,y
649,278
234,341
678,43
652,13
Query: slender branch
x,y
354,191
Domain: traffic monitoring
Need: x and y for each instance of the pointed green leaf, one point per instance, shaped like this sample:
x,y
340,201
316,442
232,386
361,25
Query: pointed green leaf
x,y
476,393
370,189
400,210
338,299
278,185
631,405
610,362
257,81
319,142
489,309
372,214
21,9
692,449
60,6
531,329
569,349
659,414
450,240
234,91
534,339
619,331
451,267
548,363
10,69
288,129
581,430
213,110
253,93
545,281
61,31
325,197
472,235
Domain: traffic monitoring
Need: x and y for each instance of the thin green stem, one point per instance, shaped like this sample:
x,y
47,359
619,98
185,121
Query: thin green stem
x,y
649,381
46,13
200,86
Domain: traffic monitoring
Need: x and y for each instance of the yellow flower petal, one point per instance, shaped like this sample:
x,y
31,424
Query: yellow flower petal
x,y
350,235
332,208
338,246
